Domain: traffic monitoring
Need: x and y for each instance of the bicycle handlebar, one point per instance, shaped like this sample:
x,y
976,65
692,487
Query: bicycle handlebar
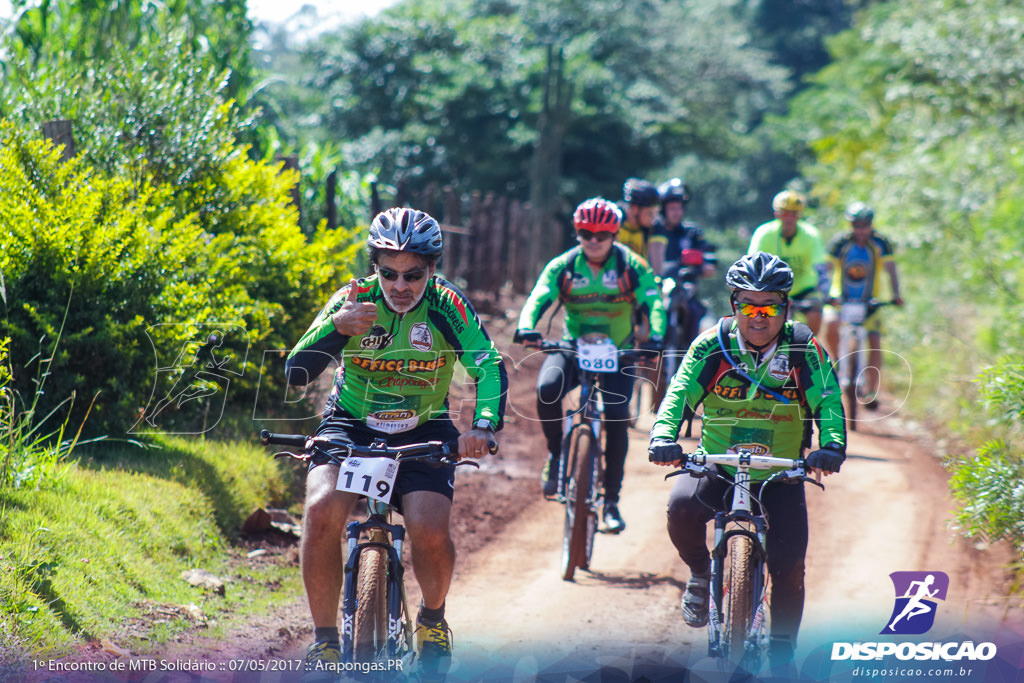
x,y
757,462
626,355
696,464
441,452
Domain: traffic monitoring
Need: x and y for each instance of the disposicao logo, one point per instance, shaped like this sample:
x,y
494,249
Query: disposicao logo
x,y
917,594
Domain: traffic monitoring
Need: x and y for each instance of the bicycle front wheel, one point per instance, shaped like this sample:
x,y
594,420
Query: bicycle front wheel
x,y
580,519
739,596
370,628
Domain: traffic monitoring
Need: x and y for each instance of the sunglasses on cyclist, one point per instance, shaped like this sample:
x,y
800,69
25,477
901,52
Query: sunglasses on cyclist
x,y
408,276
754,310
587,235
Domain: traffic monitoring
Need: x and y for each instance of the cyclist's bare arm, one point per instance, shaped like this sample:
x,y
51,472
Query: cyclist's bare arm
x,y
894,282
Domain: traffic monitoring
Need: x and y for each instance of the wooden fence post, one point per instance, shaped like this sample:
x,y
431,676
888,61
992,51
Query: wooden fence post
x,y
466,242
59,132
478,227
452,215
496,265
516,246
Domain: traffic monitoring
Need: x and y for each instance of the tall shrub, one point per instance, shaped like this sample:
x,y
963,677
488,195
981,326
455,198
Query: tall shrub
x,y
131,280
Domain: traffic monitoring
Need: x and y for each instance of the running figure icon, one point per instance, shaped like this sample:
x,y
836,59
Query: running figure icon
x,y
916,605
917,594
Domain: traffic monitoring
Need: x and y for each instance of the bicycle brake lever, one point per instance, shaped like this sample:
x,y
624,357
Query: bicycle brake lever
x,y
697,472
813,481
294,456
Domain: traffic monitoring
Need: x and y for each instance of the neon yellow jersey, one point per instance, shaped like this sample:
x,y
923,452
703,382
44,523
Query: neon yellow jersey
x,y
802,253
632,236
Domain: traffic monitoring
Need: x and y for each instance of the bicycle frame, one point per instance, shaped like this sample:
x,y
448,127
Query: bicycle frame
x,y
580,474
587,416
389,622
852,364
678,291
740,520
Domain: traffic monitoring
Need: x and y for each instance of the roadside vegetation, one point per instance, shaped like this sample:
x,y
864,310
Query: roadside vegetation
x,y
174,222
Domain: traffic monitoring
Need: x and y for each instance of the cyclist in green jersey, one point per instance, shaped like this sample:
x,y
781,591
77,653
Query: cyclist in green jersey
x,y
601,283
762,380
398,333
800,245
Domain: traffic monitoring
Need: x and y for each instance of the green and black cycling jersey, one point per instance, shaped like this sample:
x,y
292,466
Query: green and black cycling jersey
x,y
765,401
601,302
396,377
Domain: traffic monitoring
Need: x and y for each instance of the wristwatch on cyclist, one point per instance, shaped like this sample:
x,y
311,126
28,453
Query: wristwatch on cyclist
x,y
485,424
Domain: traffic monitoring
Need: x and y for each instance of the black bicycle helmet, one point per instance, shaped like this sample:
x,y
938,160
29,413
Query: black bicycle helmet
x,y
760,272
401,229
860,212
639,192
674,190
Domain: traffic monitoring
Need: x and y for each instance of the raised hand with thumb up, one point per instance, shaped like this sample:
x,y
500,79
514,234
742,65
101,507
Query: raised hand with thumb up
x,y
354,319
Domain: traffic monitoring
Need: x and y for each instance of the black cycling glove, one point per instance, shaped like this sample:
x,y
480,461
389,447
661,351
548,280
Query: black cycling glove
x,y
664,451
527,336
829,457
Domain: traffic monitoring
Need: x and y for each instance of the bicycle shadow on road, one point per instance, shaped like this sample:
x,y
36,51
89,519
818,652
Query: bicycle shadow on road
x,y
635,580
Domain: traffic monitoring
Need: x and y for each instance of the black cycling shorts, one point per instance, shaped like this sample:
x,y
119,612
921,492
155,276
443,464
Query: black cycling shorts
x,y
412,475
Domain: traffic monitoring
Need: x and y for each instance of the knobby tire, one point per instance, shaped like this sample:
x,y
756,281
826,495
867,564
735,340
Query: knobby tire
x,y
370,630
739,599
578,538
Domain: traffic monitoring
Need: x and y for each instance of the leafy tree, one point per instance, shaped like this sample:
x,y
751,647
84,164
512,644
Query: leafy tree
x,y
920,113
82,32
451,91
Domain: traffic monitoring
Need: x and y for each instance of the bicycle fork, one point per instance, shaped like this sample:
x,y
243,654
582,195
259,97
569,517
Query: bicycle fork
x,y
738,522
377,529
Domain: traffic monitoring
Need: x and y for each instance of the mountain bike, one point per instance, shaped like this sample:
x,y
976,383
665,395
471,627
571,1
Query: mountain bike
x,y
853,352
581,465
678,290
376,624
739,610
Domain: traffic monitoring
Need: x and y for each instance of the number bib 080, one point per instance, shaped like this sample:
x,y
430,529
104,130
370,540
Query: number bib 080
x,y
370,477
598,357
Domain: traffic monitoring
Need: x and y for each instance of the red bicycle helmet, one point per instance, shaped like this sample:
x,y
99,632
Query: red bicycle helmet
x,y
597,215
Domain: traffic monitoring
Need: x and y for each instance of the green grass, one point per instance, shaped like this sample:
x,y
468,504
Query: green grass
x,y
97,552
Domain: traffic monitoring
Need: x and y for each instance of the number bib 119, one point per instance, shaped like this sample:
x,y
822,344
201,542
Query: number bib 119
x,y
599,356
370,477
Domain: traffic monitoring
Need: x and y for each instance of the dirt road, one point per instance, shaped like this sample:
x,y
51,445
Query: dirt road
x,y
885,512
514,619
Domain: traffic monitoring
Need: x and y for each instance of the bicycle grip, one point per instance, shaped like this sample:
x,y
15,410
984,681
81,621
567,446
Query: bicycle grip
x,y
293,440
